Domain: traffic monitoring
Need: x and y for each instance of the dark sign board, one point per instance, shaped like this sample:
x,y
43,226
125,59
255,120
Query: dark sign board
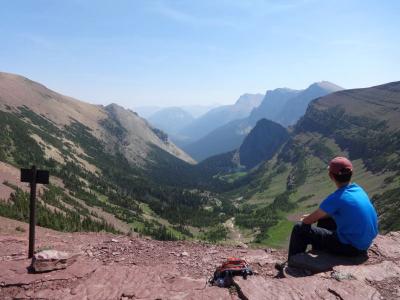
x,y
33,176
27,175
42,177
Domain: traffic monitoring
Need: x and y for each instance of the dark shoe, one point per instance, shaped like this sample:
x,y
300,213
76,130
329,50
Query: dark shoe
x,y
280,266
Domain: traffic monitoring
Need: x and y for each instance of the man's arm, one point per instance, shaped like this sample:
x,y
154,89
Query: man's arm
x,y
314,217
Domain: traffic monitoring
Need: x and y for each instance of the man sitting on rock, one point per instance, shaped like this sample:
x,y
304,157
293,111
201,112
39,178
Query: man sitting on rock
x,y
353,224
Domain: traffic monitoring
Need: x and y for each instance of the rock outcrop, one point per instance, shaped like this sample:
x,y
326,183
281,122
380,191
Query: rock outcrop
x,y
50,260
122,267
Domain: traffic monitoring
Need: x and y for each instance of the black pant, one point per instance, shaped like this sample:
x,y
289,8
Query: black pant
x,y
321,237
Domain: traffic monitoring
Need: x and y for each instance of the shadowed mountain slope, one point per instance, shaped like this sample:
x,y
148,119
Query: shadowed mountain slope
x,y
262,143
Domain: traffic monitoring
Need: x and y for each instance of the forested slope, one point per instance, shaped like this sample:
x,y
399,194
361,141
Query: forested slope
x,y
106,157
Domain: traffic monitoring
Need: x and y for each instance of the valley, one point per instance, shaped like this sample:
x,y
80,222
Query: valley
x,y
113,171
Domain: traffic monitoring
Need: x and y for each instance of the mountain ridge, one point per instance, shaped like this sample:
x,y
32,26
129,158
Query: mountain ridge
x,y
17,91
296,107
274,105
221,115
171,119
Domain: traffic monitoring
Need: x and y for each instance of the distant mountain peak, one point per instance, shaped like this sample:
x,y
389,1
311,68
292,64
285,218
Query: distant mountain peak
x,y
326,85
281,89
279,92
220,116
113,106
248,98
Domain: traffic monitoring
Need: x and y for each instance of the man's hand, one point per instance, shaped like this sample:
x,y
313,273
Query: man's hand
x,y
314,217
303,217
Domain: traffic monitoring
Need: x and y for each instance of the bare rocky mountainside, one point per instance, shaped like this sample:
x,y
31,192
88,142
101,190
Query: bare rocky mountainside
x,y
111,124
122,267
110,169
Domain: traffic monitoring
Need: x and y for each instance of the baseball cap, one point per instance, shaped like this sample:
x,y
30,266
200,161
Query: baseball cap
x,y
340,165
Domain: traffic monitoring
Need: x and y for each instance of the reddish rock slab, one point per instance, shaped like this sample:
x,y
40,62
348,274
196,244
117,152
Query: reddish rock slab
x,y
50,260
387,245
116,282
259,257
368,273
121,267
307,288
15,273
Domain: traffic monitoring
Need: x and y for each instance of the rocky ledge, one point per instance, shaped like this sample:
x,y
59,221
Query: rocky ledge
x,y
121,267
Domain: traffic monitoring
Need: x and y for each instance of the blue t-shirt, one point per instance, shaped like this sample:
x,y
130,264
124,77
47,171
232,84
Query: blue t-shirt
x,y
354,214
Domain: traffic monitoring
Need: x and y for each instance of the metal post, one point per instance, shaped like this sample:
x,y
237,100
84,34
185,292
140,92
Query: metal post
x,y
32,213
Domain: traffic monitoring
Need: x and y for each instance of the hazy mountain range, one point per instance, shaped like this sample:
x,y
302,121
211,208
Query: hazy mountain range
x,y
185,128
282,105
223,128
171,119
219,116
286,106
194,110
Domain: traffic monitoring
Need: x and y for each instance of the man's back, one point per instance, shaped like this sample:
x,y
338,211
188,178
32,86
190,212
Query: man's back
x,y
354,215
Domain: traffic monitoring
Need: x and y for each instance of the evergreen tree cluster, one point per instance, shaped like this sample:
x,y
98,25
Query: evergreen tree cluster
x,y
123,185
263,218
216,233
17,207
387,207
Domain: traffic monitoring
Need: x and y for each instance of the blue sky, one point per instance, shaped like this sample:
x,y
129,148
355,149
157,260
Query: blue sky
x,y
139,53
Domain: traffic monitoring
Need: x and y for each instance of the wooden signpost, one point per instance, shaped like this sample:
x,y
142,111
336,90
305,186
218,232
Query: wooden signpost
x,y
33,176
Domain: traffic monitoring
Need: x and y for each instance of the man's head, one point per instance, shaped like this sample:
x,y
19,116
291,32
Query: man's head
x,y
340,169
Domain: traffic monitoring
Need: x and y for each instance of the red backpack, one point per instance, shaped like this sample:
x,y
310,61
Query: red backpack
x,y
231,267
